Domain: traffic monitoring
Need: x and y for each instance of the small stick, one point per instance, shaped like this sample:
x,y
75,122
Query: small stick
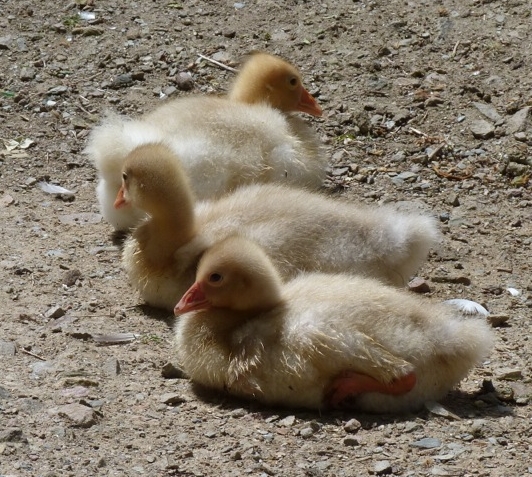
x,y
455,48
33,354
217,63
417,131
80,106
450,175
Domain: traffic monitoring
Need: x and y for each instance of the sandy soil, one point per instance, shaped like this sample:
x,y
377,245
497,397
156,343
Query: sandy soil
x,y
425,102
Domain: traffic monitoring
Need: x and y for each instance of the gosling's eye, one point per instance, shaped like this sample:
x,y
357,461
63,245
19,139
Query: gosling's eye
x,y
215,278
124,176
293,81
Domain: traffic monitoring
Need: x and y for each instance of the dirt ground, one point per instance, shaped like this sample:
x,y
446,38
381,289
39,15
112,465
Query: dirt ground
x,y
425,102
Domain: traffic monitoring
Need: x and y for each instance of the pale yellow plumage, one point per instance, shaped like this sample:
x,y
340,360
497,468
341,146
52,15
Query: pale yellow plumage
x,y
300,230
222,143
312,329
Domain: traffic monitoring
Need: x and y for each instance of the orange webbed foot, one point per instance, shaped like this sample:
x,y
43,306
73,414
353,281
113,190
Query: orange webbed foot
x,y
351,384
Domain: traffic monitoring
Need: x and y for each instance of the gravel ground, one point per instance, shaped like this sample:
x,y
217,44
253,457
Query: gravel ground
x,y
425,103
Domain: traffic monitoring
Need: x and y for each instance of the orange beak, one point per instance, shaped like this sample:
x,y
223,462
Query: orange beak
x,y
193,299
307,104
120,200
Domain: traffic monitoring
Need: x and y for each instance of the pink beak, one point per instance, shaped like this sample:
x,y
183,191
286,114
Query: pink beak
x,y
307,104
193,299
120,200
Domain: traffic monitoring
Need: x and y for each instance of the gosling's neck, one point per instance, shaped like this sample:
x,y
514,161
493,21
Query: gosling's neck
x,y
167,229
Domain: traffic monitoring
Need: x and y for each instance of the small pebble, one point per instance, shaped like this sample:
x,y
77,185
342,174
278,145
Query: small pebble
x,y
78,415
350,441
171,399
482,129
7,348
288,421
170,371
306,432
352,426
418,285
427,443
382,467
54,312
184,81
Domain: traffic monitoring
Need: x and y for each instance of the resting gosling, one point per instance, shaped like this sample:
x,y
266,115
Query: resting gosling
x,y
300,230
222,143
319,340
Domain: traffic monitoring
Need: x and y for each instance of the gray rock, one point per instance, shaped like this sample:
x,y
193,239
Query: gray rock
x,y
408,176
438,410
413,427
434,151
399,156
58,90
12,434
27,74
509,374
88,31
7,348
41,368
288,421
459,221
169,90
171,399
5,42
76,392
4,393
222,56
403,177
350,441
54,312
170,371
433,101
60,324
352,426
498,319
238,413
522,392
516,169
111,367
453,199
134,34
488,111
479,427
71,277
382,467
517,122
306,432
482,129
460,279
340,171
427,443
122,81
21,44
78,415
418,285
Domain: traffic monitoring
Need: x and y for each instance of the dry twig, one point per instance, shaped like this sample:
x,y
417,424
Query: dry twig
x,y
449,174
217,63
418,132
455,48
33,354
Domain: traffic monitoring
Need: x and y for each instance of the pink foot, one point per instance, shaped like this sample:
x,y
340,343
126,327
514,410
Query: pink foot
x,y
350,384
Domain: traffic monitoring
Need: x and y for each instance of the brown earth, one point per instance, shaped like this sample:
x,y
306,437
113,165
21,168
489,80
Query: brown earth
x,y
425,102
